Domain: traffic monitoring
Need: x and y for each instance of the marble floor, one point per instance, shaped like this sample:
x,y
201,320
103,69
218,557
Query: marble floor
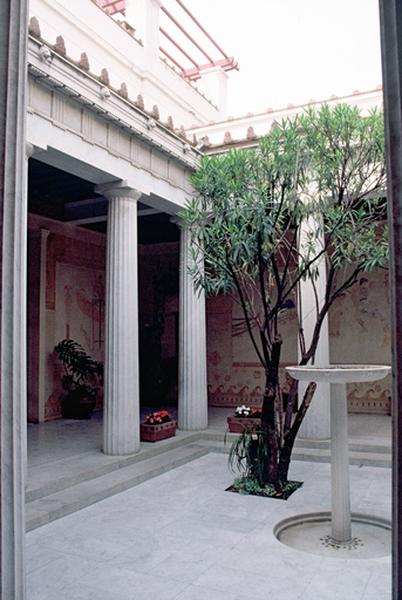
x,y
180,536
56,440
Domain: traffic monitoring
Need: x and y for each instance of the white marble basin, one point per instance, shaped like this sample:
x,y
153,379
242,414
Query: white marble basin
x,y
339,373
338,376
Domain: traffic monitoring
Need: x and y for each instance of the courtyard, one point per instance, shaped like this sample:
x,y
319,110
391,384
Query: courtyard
x,y
162,256
164,526
181,536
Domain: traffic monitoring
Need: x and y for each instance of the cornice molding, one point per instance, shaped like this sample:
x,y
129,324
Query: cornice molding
x,y
68,79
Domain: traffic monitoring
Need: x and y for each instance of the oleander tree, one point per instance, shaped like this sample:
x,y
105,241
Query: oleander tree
x,y
324,168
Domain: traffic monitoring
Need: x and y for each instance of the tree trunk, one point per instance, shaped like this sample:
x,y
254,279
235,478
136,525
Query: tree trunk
x,y
280,430
269,418
268,427
284,459
290,435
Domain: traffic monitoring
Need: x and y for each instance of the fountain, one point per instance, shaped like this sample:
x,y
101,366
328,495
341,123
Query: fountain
x,y
312,528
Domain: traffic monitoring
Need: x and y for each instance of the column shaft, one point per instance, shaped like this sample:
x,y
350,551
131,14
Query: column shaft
x,y
341,524
316,422
193,396
121,411
13,346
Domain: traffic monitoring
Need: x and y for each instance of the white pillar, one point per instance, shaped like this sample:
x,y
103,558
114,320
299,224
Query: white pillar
x,y
121,409
214,83
193,393
143,15
316,424
341,519
13,343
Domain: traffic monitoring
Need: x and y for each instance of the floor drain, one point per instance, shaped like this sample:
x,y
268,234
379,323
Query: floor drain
x,y
329,542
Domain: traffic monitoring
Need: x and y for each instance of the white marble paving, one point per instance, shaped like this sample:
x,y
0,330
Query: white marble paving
x,y
180,536
57,440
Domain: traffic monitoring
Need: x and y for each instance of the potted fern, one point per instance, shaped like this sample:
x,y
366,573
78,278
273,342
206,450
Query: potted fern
x,y
81,379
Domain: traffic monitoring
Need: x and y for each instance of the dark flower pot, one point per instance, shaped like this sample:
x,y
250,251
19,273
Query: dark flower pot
x,y
79,403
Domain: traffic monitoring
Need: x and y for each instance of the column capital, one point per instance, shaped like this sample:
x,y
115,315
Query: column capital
x,y
176,220
29,149
181,223
118,189
44,233
39,234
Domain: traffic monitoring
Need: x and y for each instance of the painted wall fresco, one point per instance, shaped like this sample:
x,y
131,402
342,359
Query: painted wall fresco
x,y
75,294
234,373
359,333
74,301
79,315
359,327
359,324
79,306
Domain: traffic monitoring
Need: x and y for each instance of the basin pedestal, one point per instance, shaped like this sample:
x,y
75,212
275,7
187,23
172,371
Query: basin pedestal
x,y
340,488
340,517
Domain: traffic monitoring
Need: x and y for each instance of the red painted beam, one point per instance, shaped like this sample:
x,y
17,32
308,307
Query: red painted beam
x,y
174,61
227,64
172,41
112,6
204,31
183,30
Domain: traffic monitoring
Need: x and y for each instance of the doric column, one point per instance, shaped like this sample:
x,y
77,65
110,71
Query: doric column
x,y
121,408
193,395
316,424
13,240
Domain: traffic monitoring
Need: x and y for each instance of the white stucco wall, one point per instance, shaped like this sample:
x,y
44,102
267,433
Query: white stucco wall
x,y
86,28
262,122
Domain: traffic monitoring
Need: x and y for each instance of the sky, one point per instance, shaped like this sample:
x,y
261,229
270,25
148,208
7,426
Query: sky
x,y
291,51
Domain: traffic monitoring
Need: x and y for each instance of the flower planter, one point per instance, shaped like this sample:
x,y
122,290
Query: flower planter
x,y
78,403
239,424
161,431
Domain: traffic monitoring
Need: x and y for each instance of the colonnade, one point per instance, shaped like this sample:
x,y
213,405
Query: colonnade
x,y
122,407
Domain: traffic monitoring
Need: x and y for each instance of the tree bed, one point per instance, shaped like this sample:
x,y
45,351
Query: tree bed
x,y
250,487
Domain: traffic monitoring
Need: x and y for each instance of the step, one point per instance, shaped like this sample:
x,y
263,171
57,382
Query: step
x,y
216,435
51,477
70,484
43,510
369,459
353,446
373,456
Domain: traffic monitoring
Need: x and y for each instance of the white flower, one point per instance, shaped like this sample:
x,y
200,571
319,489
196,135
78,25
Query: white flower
x,y
242,411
